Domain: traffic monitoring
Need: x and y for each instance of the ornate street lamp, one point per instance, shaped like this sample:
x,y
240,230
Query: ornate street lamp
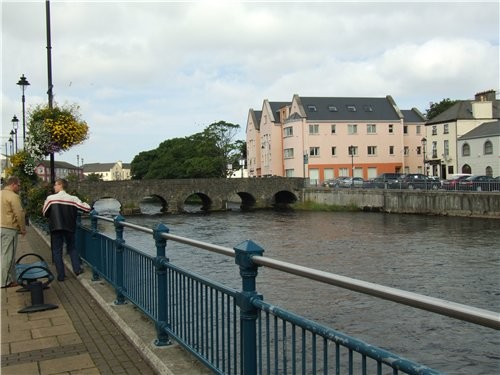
x,y
424,144
11,141
351,151
15,124
23,82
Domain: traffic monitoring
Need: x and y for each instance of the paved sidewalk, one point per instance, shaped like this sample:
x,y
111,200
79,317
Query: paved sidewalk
x,y
86,334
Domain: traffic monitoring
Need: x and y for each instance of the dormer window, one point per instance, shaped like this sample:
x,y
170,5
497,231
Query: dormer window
x,y
351,108
368,108
312,108
333,108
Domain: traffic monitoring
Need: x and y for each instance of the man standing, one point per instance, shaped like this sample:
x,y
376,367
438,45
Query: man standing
x,y
12,222
61,210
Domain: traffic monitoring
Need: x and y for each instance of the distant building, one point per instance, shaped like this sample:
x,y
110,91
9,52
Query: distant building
x,y
108,171
320,138
479,150
62,169
444,130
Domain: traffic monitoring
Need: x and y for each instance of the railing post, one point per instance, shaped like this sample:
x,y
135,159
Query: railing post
x,y
248,316
96,259
161,271
120,298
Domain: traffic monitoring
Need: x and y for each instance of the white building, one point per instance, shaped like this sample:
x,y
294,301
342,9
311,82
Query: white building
x,y
108,171
479,150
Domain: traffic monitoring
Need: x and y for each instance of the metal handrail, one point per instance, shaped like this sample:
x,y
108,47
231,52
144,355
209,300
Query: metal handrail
x,y
455,310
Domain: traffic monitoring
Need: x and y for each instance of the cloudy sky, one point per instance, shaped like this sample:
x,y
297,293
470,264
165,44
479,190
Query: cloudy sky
x,y
143,72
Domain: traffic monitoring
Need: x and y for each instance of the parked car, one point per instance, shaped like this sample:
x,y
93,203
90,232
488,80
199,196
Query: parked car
x,y
385,181
479,183
418,181
452,183
351,182
335,182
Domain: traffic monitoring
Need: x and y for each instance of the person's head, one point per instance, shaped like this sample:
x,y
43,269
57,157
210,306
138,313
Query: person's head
x,y
60,184
13,183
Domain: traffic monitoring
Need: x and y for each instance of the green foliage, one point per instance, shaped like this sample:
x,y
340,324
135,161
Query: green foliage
x,y
36,198
95,177
437,108
201,155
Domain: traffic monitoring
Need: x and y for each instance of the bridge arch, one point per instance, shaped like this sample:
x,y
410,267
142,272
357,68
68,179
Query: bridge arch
x,y
215,194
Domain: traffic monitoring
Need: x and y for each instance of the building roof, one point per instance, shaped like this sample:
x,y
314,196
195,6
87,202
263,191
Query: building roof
x,y
350,109
486,129
275,108
413,115
57,164
101,167
462,110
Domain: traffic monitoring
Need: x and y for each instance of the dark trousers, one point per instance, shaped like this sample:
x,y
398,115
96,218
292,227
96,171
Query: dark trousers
x,y
57,239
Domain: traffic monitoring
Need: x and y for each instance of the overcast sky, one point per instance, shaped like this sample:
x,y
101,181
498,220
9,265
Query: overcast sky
x,y
143,72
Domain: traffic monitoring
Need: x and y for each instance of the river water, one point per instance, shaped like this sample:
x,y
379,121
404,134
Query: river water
x,y
457,259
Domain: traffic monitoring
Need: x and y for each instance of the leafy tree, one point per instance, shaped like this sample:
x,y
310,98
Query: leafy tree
x,y
437,108
201,155
95,177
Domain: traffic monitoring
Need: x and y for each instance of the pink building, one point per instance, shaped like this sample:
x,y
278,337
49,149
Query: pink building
x,y
325,137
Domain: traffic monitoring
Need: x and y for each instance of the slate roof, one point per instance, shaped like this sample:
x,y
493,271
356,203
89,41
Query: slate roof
x,y
275,108
350,109
58,164
486,129
462,110
256,115
412,115
101,167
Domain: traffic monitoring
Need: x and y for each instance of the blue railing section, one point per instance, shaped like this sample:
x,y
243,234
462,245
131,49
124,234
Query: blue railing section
x,y
235,331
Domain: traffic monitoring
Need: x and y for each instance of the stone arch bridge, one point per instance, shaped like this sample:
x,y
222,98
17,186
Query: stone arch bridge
x,y
215,194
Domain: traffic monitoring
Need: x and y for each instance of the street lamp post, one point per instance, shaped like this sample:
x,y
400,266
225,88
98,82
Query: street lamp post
x,y
15,124
242,165
11,141
23,82
424,144
351,150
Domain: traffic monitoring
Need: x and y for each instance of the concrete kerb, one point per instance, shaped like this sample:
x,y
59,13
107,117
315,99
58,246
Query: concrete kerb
x,y
138,328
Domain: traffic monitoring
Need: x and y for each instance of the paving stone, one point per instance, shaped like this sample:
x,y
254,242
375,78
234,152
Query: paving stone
x,y
72,363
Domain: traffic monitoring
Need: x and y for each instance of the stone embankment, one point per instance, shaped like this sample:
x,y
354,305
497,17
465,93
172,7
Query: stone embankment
x,y
472,204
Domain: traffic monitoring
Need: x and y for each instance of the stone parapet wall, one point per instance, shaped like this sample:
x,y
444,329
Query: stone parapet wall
x,y
474,204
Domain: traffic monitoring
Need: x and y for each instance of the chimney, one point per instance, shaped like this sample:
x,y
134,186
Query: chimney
x,y
485,96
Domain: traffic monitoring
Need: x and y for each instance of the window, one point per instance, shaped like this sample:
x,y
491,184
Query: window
x,y
391,128
372,150
289,172
405,129
332,108
488,148
446,147
418,129
434,150
312,108
368,108
313,151
406,150
419,150
352,150
445,129
313,128
434,130
343,172
351,108
288,153
334,128
352,128
288,131
465,149
371,129
334,151
391,150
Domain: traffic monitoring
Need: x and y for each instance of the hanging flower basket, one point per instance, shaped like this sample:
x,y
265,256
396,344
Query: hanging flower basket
x,y
54,130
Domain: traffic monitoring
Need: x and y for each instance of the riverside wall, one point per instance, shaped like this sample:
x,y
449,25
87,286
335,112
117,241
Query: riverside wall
x,y
472,204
